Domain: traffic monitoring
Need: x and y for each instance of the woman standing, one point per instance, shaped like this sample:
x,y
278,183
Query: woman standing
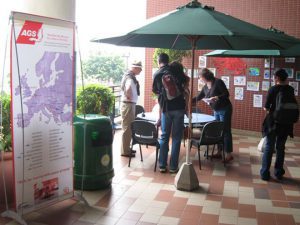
x,y
216,95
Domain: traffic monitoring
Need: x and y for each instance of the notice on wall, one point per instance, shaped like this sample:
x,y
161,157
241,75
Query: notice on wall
x,y
265,85
252,86
239,93
202,61
239,80
42,59
226,80
294,84
257,101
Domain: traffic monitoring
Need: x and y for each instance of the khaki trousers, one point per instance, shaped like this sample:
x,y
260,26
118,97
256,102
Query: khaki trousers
x,y
128,115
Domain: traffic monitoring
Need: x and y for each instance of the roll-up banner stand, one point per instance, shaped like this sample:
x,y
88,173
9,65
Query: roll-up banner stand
x,y
42,67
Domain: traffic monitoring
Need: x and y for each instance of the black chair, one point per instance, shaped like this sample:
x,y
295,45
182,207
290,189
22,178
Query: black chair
x,y
139,109
211,134
144,133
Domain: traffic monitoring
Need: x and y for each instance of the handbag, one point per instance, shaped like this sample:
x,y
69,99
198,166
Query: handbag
x,y
262,144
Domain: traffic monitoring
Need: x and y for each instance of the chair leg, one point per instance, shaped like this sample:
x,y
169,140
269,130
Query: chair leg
x,y
212,153
156,158
141,153
206,153
199,157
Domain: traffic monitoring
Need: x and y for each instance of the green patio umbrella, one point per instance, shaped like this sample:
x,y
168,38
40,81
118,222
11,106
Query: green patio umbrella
x,y
196,26
290,52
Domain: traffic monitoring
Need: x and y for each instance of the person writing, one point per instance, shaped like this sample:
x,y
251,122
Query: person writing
x,y
130,91
216,95
172,110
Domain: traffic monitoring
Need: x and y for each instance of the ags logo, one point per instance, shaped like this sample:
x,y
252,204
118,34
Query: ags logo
x,y
30,33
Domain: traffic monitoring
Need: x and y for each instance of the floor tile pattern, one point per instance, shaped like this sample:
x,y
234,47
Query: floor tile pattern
x,y
234,194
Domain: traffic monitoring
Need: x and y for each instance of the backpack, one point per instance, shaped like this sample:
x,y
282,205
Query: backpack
x,y
171,86
287,109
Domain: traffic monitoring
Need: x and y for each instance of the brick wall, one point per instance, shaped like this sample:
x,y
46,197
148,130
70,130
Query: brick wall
x,y
283,15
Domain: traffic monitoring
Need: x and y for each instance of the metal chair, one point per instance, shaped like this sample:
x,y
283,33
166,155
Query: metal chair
x,y
144,133
212,134
139,109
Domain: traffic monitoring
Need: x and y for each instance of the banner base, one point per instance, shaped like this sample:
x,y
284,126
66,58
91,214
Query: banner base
x,y
15,216
80,197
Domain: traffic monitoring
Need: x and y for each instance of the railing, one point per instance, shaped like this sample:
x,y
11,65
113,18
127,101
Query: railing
x,y
116,89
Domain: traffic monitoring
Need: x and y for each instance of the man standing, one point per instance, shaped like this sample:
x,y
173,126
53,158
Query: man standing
x,y
276,130
171,118
130,91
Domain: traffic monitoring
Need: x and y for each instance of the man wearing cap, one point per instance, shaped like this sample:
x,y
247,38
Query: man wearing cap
x,y
130,91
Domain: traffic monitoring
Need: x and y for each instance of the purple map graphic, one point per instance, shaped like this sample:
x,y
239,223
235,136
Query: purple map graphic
x,y
53,96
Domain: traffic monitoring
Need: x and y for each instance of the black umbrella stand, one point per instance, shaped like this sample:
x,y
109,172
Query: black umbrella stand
x,y
186,178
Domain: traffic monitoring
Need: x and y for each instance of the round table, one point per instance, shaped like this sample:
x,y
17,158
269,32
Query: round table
x,y
198,119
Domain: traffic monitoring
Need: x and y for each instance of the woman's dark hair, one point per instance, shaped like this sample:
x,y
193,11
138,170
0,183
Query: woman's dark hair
x,y
177,69
207,74
281,74
163,58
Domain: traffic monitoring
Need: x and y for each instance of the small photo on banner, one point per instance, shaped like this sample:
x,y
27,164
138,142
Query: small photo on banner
x,y
254,71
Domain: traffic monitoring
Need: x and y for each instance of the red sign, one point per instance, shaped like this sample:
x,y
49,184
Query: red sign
x,y
30,33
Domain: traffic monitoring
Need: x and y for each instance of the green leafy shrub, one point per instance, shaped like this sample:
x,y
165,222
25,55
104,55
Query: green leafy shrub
x,y
95,99
5,138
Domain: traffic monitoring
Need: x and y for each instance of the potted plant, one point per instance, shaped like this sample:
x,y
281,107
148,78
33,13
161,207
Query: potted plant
x,y
5,131
95,99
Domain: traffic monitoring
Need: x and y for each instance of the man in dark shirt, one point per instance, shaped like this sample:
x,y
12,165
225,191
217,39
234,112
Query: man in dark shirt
x,y
276,133
171,118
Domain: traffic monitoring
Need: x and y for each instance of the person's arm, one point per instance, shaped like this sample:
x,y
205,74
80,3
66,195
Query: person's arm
x,y
269,100
128,89
221,90
199,97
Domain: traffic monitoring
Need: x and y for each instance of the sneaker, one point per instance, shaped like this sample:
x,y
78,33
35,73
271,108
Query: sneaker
x,y
267,178
174,171
228,159
162,169
218,155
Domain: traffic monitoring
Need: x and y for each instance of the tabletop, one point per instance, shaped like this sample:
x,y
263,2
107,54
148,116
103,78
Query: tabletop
x,y
197,118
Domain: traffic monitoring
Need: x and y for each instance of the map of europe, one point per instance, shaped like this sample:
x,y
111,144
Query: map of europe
x,y
51,100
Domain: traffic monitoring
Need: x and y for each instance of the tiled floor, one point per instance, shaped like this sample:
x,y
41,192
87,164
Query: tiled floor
x,y
227,195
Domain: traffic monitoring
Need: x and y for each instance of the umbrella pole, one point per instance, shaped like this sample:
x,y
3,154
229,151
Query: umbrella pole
x,y
186,179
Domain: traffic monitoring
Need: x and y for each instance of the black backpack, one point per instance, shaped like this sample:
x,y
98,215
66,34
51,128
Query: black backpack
x,y
287,109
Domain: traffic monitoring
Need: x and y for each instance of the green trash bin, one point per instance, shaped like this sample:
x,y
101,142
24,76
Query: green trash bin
x,y
94,135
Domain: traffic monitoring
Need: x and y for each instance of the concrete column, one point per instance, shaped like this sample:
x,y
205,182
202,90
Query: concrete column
x,y
59,9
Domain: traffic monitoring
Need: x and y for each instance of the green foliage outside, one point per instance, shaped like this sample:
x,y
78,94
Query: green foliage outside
x,y
5,134
104,68
174,55
95,99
